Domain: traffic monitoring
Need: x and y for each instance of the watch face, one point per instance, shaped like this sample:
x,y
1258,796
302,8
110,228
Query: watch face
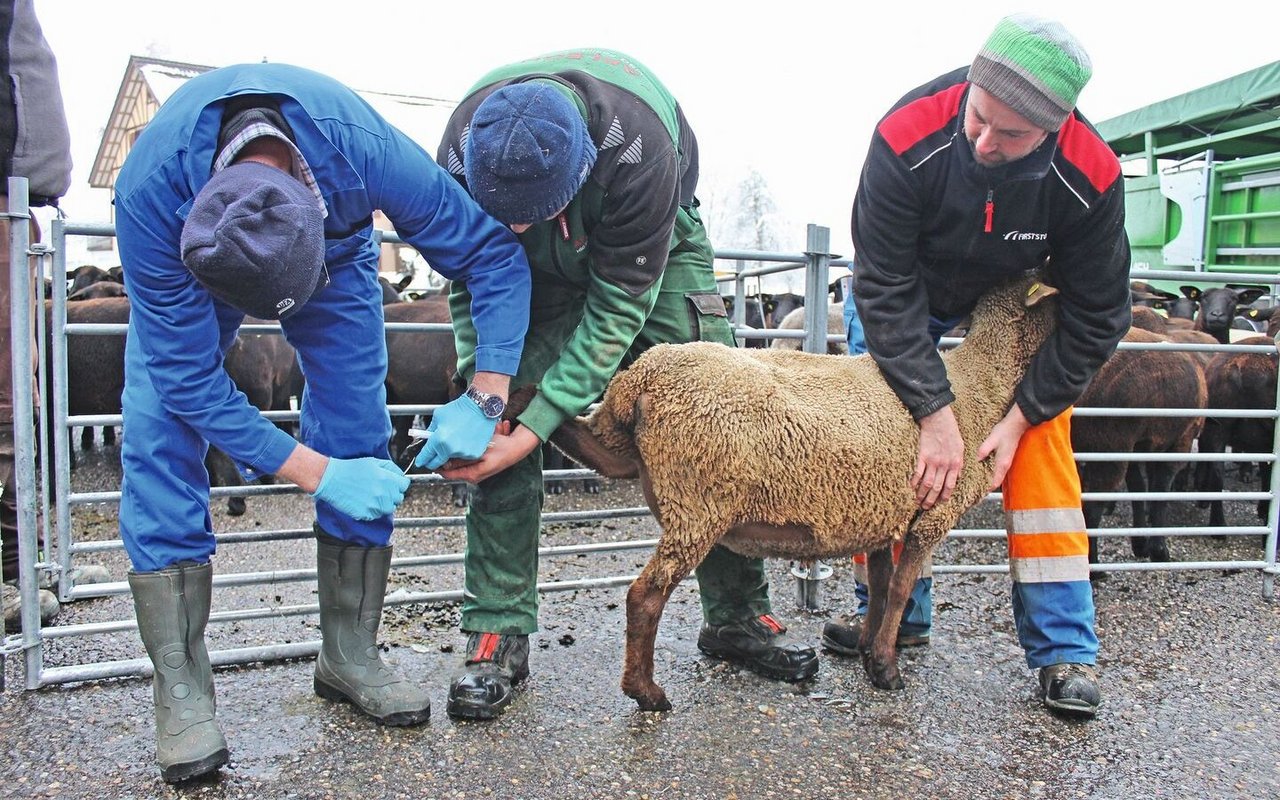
x,y
491,405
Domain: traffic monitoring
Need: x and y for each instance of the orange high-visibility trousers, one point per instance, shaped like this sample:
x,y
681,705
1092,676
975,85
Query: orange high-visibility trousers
x,y
1049,549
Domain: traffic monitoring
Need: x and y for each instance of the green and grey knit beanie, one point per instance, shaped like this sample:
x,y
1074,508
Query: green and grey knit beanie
x,y
1034,66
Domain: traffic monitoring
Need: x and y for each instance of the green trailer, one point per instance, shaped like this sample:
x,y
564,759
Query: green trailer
x,y
1202,186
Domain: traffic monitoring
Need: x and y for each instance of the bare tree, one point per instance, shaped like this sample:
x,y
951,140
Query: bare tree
x,y
752,219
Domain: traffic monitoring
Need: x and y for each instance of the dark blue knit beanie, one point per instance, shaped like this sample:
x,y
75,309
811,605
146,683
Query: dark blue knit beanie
x,y
255,239
527,153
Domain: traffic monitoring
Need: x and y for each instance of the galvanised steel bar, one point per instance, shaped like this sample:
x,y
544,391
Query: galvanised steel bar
x,y
24,465
57,400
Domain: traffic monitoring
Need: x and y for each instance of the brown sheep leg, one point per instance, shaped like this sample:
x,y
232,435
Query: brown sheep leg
x,y
881,659
879,572
645,601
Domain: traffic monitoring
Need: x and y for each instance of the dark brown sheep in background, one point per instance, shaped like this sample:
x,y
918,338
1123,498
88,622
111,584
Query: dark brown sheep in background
x,y
1238,381
95,363
1138,379
420,364
1219,307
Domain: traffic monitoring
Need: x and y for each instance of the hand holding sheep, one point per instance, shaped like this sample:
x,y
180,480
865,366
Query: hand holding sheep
x,y
941,458
1003,442
942,453
505,449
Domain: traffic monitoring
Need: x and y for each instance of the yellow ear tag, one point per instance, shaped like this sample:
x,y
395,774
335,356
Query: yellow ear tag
x,y
1035,287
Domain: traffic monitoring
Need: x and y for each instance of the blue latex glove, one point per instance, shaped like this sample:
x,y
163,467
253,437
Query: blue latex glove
x,y
459,429
364,488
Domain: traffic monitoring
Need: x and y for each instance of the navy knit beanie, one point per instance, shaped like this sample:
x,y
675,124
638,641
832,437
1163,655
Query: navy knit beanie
x,y
527,153
255,239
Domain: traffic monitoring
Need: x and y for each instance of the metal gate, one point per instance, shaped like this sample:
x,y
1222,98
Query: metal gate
x,y
45,483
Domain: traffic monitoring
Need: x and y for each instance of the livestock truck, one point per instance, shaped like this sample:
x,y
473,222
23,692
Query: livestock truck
x,y
1202,185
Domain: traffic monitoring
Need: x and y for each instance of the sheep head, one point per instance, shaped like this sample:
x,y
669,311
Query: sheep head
x,y
1018,315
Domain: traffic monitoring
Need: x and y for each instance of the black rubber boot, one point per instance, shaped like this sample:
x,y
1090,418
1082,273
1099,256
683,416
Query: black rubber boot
x,y
353,583
843,637
760,644
172,606
1071,689
494,664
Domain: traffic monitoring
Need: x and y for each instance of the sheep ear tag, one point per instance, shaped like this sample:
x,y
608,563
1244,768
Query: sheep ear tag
x,y
1038,292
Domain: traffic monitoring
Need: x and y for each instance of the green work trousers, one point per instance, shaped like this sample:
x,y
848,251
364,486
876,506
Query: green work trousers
x,y
505,516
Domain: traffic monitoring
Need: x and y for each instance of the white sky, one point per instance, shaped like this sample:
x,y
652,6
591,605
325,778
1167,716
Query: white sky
x,y
791,89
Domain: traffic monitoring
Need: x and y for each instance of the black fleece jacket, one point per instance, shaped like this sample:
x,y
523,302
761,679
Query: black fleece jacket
x,y
933,230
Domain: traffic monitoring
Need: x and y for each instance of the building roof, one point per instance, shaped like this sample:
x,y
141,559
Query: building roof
x,y
149,82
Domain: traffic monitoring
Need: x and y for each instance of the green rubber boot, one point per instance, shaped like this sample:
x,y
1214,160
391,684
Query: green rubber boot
x,y
172,606
353,583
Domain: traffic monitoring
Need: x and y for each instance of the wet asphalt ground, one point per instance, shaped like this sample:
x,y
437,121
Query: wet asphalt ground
x,y
1190,664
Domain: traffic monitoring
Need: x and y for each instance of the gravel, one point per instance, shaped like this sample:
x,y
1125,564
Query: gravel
x,y
1188,664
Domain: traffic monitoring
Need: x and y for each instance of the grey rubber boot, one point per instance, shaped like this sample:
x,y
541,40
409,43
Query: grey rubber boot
x,y
353,582
173,608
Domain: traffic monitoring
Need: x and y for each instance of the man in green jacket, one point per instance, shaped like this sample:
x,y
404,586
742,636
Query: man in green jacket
x,y
589,159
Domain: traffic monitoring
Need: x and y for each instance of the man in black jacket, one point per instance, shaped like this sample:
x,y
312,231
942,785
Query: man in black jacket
x,y
975,177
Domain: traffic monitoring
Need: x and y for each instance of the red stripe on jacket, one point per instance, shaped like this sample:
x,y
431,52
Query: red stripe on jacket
x,y
918,119
1086,150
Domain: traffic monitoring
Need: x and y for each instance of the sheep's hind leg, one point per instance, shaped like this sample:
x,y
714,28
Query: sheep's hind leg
x,y
1160,479
646,600
879,572
881,659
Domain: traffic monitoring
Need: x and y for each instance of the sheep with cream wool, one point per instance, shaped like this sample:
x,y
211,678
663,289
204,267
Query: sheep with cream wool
x,y
691,421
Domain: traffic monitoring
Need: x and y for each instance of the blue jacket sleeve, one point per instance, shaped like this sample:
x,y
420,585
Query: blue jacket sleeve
x,y
173,325
432,212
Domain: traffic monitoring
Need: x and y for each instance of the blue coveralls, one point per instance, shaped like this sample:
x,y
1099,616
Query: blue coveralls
x,y
178,398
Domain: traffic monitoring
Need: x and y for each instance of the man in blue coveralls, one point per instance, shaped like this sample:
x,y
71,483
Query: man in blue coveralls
x,y
252,193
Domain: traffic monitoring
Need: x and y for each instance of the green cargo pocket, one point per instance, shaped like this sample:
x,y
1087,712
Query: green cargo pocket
x,y
708,318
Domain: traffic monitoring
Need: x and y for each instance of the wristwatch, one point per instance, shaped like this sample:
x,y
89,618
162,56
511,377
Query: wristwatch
x,y
491,405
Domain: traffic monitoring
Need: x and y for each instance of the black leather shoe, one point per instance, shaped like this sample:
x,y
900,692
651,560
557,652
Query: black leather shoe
x,y
760,644
842,637
1071,689
495,662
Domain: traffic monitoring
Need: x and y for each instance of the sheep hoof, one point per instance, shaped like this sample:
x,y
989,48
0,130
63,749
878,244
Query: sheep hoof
x,y
884,675
461,495
236,506
653,699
